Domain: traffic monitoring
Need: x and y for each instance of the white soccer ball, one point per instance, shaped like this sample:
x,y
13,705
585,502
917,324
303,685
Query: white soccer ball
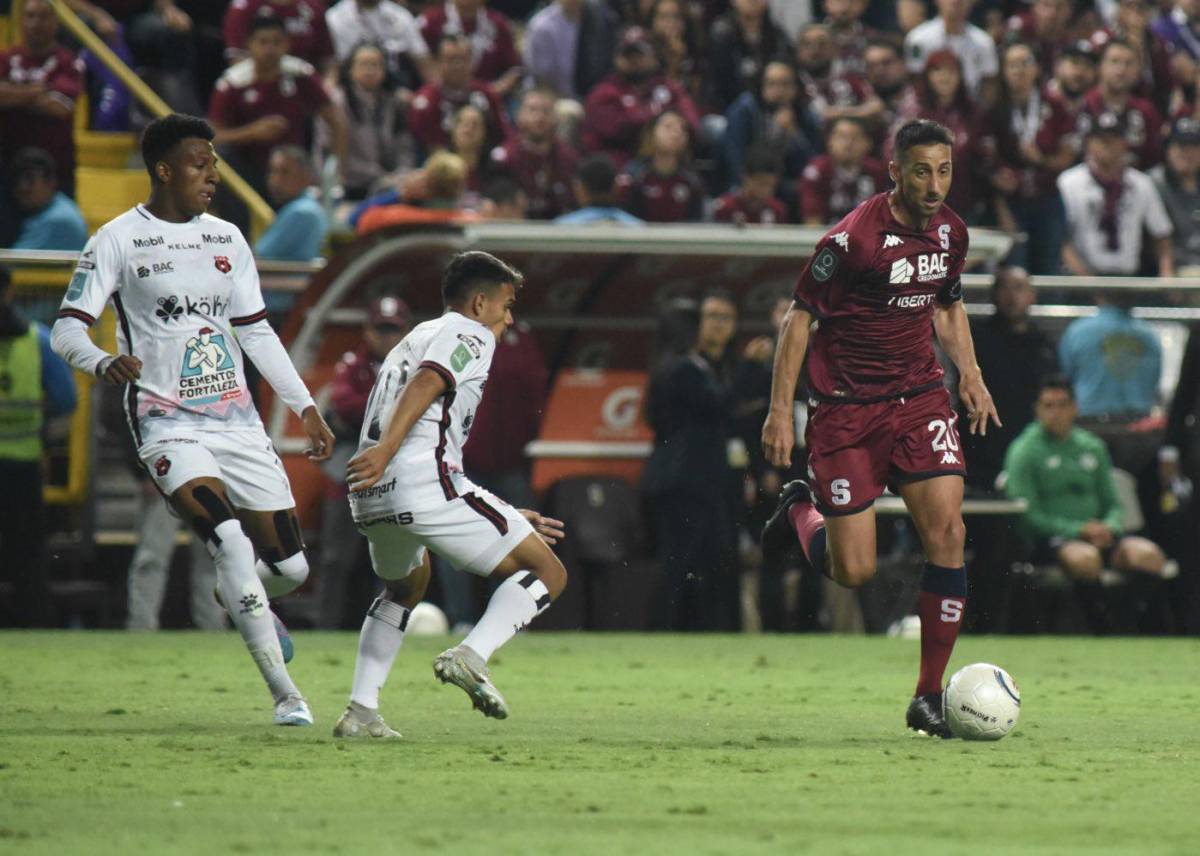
x,y
426,619
981,702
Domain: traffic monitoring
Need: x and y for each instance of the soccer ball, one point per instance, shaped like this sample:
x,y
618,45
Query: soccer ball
x,y
427,620
981,702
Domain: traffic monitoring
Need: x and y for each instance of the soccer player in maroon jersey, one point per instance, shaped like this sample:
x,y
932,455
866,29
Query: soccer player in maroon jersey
x,y
876,282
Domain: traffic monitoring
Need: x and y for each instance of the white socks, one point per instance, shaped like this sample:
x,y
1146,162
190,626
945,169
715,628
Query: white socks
x,y
283,576
246,601
518,600
378,643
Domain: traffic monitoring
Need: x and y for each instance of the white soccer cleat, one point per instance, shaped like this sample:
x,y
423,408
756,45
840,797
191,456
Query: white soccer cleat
x,y
357,721
293,710
466,669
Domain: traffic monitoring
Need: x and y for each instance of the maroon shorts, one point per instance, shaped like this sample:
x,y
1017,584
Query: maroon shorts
x,y
856,450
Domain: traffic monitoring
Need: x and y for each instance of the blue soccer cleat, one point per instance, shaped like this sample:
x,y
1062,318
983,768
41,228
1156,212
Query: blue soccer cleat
x,y
285,638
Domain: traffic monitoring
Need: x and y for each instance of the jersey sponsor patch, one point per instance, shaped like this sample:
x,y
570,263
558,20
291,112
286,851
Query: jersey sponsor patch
x,y
78,281
461,356
824,265
208,374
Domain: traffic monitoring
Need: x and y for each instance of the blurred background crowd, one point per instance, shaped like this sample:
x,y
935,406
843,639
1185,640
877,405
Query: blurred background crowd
x,y
1077,134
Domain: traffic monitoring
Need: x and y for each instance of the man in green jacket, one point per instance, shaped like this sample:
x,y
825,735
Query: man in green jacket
x,y
1074,517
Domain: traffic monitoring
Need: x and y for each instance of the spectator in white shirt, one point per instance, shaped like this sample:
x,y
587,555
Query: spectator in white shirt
x,y
951,31
352,22
1108,205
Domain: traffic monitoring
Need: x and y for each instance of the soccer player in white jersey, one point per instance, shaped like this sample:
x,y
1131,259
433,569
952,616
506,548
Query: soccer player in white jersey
x,y
409,495
188,302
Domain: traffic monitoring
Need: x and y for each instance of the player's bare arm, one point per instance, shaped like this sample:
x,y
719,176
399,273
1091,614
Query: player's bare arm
x,y
422,391
954,334
779,433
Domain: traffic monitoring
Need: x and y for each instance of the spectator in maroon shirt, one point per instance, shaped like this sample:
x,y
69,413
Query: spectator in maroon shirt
x,y
1118,76
740,44
540,164
834,184
660,186
1028,139
678,45
488,32
1044,26
831,94
844,19
1074,75
436,103
941,95
267,100
618,108
304,21
1157,81
39,82
754,201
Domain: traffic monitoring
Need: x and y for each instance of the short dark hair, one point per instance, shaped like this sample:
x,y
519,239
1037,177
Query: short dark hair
x,y
265,22
920,132
597,174
1117,42
886,43
861,124
162,135
475,270
762,159
1057,381
32,160
717,293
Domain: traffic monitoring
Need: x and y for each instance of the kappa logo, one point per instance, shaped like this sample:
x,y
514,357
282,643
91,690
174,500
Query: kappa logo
x,y
949,457
902,272
222,264
890,241
842,239
162,466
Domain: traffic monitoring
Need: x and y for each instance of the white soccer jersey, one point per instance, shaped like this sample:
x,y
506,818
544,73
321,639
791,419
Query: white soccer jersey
x,y
179,291
427,470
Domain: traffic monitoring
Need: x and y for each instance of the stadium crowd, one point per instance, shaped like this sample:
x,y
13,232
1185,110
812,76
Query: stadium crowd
x,y
1076,125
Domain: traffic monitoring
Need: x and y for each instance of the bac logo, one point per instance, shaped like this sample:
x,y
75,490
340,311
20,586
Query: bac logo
x,y
222,264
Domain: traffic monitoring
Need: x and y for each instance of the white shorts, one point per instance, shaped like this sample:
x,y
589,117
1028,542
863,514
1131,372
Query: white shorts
x,y
243,458
473,532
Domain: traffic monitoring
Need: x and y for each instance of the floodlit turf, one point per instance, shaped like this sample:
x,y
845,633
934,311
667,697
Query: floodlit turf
x,y
158,744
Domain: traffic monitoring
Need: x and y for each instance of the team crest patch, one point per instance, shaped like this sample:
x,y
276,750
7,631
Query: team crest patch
x,y
824,265
222,264
460,358
162,466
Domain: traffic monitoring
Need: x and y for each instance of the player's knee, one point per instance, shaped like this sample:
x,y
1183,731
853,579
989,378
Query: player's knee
x,y
949,537
1139,554
853,571
1081,561
553,576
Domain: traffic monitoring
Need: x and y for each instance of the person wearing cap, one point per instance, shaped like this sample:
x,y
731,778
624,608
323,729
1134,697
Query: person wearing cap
x,y
342,550
1108,205
1178,181
50,219
300,223
1118,75
950,30
1074,76
620,107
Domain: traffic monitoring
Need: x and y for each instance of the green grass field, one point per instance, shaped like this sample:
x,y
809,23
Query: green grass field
x,y
113,743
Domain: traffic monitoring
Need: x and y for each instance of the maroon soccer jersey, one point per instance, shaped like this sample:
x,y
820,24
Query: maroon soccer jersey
x,y
61,73
658,198
616,112
737,207
828,193
239,99
545,177
492,44
1143,125
431,117
872,283
304,20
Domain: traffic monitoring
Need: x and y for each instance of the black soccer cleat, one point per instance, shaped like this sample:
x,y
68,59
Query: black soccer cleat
x,y
925,716
778,535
